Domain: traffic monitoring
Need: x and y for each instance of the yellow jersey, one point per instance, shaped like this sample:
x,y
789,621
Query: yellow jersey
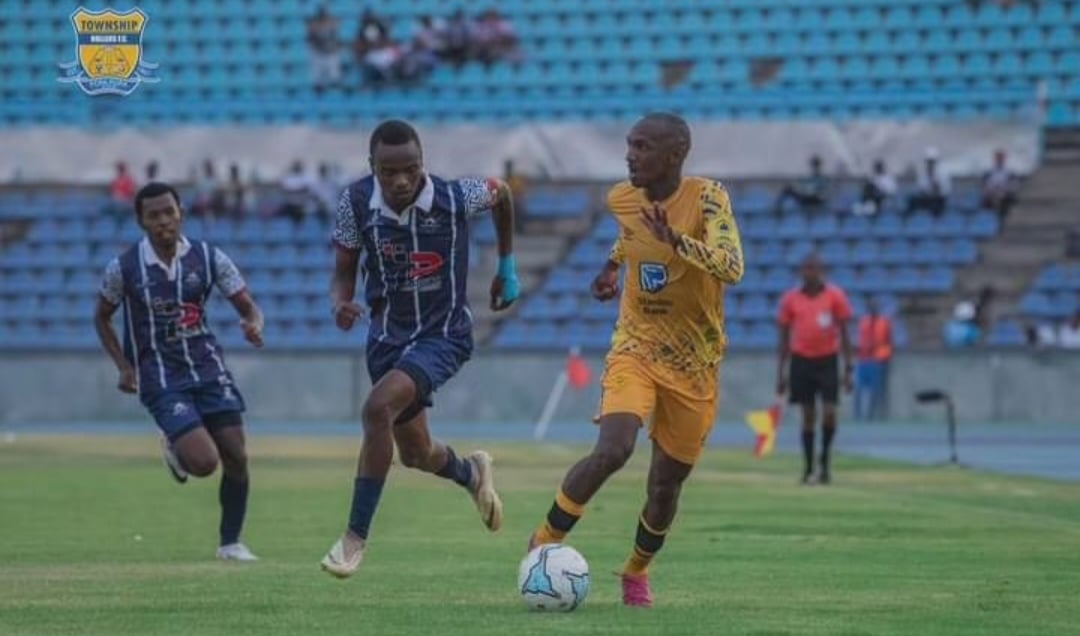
x,y
672,307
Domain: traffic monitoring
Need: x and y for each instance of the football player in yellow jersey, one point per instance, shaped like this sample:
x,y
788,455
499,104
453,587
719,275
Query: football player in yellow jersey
x,y
680,246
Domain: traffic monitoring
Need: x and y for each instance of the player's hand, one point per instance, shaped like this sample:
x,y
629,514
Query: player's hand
x,y
655,219
346,314
781,386
606,284
504,291
126,383
505,287
253,332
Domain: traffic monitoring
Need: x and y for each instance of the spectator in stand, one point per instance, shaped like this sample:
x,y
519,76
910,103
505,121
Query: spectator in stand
x,y
431,35
122,187
375,52
1069,334
324,46
121,192
984,305
300,193
239,195
494,39
811,193
209,196
878,186
875,348
999,186
152,170
459,39
932,188
962,331
328,189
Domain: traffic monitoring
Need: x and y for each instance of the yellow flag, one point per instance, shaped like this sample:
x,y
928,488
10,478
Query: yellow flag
x,y
764,424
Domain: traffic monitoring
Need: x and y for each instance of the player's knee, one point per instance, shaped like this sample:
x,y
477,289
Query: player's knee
x,y
201,464
377,415
234,462
610,458
662,491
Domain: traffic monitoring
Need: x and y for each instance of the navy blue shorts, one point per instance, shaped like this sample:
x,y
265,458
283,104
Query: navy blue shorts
x,y
429,362
177,411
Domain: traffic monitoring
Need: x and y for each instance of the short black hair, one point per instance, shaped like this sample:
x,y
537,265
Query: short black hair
x,y
393,132
153,189
676,125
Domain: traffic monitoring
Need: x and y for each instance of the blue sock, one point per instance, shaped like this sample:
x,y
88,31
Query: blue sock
x,y
456,468
365,498
233,495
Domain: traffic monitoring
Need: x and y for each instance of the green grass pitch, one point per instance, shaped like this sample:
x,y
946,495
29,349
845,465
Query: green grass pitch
x,y
889,549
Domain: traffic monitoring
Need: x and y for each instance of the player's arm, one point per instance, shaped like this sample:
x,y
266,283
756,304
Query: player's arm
x,y
783,345
495,195
347,247
231,284
606,284
112,291
842,314
719,252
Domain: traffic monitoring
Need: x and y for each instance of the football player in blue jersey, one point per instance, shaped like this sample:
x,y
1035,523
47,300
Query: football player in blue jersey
x,y
172,360
407,231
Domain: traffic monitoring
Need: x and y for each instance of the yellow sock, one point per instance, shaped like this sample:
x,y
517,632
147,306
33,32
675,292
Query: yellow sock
x,y
646,544
563,515
638,562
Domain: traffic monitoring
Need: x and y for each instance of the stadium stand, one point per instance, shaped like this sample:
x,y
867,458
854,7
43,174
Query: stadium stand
x,y
584,60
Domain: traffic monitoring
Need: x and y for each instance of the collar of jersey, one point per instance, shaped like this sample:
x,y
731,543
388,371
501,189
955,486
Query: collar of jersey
x,y
424,202
150,257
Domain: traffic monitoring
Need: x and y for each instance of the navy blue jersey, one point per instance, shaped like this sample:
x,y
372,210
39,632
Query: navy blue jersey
x,y
166,335
414,264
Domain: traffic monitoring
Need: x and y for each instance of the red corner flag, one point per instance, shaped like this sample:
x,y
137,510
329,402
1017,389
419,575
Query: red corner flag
x,y
577,370
764,424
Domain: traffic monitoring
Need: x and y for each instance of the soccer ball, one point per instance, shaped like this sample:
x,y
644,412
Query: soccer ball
x,y
553,578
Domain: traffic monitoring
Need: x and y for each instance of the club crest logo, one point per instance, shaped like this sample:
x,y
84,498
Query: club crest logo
x,y
652,277
108,46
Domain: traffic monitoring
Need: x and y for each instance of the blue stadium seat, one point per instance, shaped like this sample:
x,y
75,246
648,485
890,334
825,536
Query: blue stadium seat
x,y
1006,333
983,225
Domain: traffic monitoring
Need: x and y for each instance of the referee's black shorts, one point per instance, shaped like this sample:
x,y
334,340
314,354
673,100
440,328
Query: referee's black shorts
x,y
811,378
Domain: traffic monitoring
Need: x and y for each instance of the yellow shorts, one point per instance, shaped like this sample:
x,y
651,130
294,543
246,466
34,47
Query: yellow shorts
x,y
682,407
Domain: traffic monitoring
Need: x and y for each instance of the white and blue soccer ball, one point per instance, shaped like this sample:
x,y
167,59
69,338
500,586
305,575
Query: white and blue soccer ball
x,y
553,578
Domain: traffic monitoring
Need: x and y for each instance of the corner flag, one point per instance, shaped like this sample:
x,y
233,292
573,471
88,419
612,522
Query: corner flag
x,y
764,424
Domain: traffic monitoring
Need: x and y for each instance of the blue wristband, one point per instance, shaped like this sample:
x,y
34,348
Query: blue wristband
x,y
507,267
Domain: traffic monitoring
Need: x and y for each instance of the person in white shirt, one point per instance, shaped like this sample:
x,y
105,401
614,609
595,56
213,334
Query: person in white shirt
x,y
878,186
933,186
1069,334
999,187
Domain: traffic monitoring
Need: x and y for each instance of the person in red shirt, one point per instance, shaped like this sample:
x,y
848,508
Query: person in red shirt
x,y
813,327
875,351
122,187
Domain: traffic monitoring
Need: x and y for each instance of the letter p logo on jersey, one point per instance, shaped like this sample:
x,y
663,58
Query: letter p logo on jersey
x,y
108,48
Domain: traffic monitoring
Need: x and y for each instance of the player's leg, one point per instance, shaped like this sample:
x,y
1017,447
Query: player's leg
x,y
392,394
803,392
188,448
829,387
629,394
614,446
228,432
679,431
473,472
